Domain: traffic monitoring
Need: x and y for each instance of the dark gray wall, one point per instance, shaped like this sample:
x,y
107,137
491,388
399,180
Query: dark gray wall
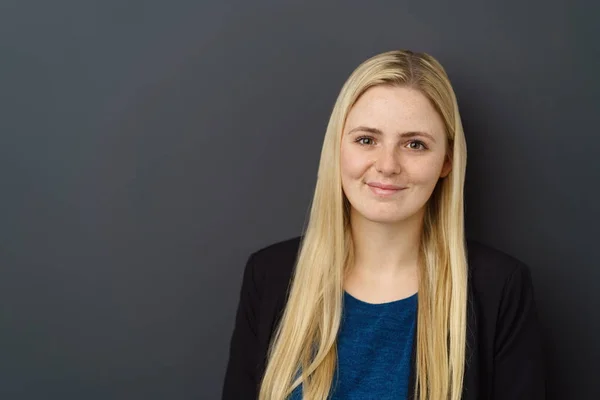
x,y
146,148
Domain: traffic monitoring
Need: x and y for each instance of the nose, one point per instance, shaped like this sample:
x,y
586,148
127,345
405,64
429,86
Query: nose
x,y
388,161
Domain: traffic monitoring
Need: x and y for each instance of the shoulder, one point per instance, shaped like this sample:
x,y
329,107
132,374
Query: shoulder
x,y
490,270
275,262
485,262
277,250
497,279
491,267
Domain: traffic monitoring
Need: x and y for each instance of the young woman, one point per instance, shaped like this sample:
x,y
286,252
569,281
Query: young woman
x,y
383,297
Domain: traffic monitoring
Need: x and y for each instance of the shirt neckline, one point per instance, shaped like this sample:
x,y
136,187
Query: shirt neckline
x,y
354,300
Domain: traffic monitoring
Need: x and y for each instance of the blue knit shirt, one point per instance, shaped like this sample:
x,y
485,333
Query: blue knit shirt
x,y
374,350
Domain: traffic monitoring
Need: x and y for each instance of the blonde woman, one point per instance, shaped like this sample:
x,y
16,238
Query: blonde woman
x,y
383,297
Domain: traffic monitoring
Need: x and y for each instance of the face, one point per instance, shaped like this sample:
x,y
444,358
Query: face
x,y
393,138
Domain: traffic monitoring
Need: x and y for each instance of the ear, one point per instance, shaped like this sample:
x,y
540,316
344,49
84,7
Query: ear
x,y
447,167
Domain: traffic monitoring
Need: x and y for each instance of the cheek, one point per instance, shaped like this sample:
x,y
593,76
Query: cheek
x,y
351,164
428,172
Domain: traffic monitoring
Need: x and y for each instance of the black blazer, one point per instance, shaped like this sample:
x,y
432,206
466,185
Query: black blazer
x,y
504,351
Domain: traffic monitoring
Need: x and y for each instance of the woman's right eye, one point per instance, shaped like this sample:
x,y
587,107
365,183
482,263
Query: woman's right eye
x,y
360,140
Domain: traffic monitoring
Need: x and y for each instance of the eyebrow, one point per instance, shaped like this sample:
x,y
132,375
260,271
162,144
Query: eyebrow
x,y
378,132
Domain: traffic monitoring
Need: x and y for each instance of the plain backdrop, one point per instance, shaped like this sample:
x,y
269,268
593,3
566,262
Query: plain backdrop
x,y
148,147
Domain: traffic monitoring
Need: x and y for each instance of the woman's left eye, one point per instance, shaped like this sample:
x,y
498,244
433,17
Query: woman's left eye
x,y
418,142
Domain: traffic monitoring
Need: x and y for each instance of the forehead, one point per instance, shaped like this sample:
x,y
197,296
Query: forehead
x,y
393,109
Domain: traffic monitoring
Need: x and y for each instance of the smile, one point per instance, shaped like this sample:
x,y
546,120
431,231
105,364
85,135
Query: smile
x,y
384,192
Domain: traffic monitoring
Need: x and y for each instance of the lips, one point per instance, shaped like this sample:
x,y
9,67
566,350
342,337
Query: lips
x,y
384,186
382,190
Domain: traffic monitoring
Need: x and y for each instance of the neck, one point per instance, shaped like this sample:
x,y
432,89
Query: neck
x,y
386,250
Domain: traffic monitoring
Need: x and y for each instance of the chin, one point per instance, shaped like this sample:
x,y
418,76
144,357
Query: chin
x,y
383,217
387,219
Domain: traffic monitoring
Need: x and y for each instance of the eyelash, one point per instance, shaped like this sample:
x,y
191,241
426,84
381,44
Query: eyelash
x,y
412,141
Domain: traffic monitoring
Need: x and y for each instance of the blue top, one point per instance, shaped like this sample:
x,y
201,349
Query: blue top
x,y
374,350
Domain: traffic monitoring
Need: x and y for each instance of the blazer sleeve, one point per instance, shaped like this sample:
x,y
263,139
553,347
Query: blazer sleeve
x,y
241,382
519,368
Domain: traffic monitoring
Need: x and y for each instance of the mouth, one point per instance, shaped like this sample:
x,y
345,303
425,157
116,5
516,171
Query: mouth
x,y
384,190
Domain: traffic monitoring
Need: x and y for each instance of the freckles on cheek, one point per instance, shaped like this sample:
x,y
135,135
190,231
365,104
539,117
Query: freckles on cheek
x,y
352,162
345,161
351,172
351,166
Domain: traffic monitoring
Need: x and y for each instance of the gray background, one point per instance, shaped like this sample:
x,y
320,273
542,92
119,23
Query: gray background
x,y
146,148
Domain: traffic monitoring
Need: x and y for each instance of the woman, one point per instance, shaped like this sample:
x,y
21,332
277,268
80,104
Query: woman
x,y
334,313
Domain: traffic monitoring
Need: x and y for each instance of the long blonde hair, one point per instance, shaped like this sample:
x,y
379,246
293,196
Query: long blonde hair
x,y
303,349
